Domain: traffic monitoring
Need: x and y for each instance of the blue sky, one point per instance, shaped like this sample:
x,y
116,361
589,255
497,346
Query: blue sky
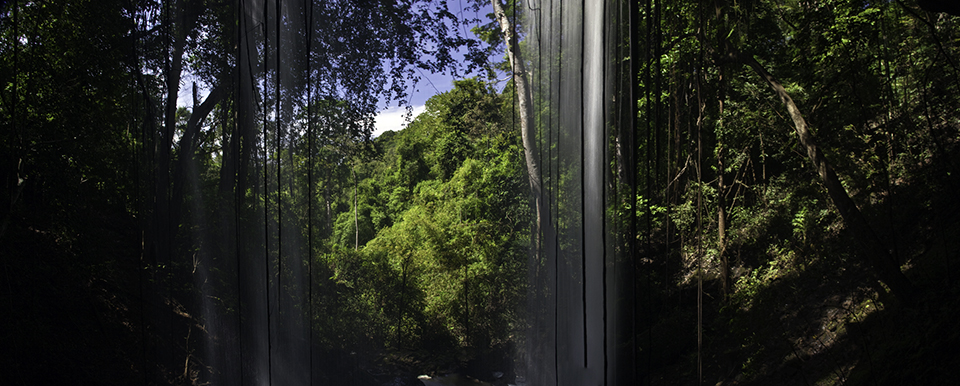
x,y
395,118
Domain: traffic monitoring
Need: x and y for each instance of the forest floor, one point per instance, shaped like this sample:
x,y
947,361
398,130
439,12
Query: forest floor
x,y
71,315
70,305
820,318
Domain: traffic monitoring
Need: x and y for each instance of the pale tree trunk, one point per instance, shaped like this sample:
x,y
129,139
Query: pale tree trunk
x,y
524,108
722,226
356,221
542,235
887,268
721,187
326,202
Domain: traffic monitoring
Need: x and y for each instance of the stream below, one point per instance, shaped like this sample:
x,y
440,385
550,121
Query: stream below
x,y
451,380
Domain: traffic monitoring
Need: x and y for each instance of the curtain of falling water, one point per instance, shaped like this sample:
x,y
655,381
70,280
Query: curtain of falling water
x,y
263,334
273,251
581,294
252,284
580,280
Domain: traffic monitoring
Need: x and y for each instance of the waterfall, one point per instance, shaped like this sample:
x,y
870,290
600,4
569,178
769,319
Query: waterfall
x,y
582,292
253,262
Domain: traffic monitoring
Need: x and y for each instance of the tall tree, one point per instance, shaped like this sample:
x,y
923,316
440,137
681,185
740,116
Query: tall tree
x,y
521,81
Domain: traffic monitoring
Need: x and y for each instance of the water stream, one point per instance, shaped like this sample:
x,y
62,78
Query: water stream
x,y
451,380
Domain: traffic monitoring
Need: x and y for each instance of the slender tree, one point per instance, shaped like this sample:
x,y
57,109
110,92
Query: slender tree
x,y
527,130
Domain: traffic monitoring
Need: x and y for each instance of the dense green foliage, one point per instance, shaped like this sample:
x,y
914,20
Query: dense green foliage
x,y
142,239
877,83
432,253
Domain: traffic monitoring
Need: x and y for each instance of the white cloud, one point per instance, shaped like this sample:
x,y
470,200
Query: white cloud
x,y
395,119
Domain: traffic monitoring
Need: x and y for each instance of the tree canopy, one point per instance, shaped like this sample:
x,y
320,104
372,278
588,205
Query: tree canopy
x,y
729,191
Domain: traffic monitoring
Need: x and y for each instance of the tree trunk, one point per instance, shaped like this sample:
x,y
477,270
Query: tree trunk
x,y
722,226
185,171
403,287
721,187
887,268
525,109
328,223
15,191
179,22
543,263
356,222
